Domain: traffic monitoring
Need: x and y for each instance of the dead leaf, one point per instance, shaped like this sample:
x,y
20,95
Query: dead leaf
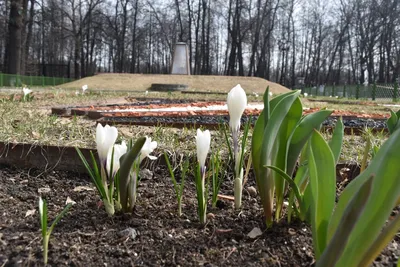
x,y
256,232
35,135
69,200
30,212
83,188
44,190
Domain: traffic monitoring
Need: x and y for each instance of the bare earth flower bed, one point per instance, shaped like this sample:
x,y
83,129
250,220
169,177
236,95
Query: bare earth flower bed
x,y
153,235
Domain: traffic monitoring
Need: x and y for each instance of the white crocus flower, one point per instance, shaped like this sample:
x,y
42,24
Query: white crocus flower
x,y
26,91
305,94
336,96
119,150
148,148
271,94
203,140
237,102
84,88
105,139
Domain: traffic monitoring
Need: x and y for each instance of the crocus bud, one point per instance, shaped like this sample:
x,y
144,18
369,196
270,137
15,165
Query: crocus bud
x,y
105,139
147,148
119,150
84,88
237,102
203,140
26,91
305,94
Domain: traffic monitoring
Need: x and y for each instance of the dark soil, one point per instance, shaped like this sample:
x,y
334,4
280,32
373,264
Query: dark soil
x,y
86,236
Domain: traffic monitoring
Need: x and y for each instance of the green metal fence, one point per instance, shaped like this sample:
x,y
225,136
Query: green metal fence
x,y
12,80
371,91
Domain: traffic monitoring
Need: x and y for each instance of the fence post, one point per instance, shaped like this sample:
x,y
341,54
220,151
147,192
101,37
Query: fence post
x,y
333,91
374,91
396,87
344,91
358,91
325,90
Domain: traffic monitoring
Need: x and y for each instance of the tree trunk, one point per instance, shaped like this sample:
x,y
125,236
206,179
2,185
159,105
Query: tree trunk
x,y
14,43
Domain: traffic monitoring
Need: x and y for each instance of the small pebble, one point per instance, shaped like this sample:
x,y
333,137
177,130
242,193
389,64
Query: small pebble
x,y
210,216
252,191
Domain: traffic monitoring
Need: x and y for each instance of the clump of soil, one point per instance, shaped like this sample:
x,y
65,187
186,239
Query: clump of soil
x,y
152,236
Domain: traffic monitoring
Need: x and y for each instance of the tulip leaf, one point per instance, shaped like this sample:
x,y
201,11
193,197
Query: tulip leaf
x,y
323,189
301,134
266,109
381,242
351,215
280,149
337,140
384,196
265,180
126,163
392,122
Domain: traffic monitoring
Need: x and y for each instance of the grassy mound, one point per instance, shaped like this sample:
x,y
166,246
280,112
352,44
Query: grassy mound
x,y
141,82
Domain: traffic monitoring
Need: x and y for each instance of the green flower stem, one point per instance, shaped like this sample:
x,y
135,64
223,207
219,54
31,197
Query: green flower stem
x,y
46,239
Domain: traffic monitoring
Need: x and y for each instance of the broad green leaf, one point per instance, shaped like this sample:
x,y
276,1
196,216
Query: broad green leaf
x,y
280,149
392,122
351,215
126,163
265,181
301,134
266,109
337,139
273,103
385,193
323,189
381,242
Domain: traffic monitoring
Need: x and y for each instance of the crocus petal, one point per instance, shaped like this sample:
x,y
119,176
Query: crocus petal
x,y
203,140
105,139
237,102
40,207
119,151
148,148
